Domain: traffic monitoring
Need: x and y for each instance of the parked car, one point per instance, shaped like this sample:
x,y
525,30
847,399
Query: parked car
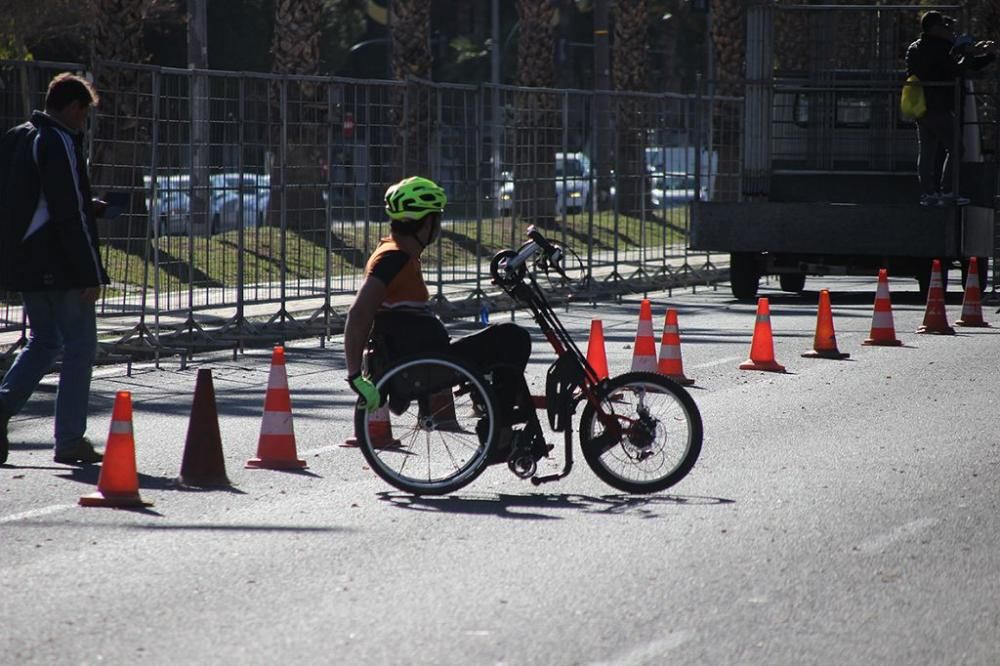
x,y
227,192
571,182
673,189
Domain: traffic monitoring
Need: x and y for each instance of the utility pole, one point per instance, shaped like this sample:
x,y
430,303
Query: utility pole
x,y
197,52
602,84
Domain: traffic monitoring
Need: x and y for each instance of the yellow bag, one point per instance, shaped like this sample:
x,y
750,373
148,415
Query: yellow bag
x,y
912,104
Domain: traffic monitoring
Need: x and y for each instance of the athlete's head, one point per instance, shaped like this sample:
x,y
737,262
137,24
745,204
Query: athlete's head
x,y
413,203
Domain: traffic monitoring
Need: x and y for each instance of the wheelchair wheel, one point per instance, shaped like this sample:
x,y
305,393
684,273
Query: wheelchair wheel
x,y
660,437
434,431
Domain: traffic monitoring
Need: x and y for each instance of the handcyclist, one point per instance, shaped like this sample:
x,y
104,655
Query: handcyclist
x,y
391,310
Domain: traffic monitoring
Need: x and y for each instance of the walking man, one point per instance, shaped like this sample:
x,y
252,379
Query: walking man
x,y
49,253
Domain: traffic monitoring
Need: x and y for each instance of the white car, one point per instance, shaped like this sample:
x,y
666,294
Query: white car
x,y
227,193
673,189
571,182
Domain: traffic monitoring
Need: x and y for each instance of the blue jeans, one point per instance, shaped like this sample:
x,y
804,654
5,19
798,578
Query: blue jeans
x,y
59,321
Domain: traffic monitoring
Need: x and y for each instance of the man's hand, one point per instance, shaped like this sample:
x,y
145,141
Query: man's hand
x,y
366,390
90,295
983,48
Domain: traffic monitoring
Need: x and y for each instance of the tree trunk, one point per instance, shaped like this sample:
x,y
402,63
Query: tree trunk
x,y
629,51
122,126
295,50
536,115
729,41
412,61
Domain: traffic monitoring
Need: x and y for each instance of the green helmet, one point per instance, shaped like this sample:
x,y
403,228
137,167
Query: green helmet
x,y
414,198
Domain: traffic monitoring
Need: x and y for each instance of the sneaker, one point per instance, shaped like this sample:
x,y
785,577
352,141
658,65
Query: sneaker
x,y
80,452
4,442
949,198
931,200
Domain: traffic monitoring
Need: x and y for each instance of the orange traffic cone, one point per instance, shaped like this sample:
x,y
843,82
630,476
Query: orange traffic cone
x,y
380,427
276,446
203,464
972,308
883,331
644,351
596,355
118,484
825,342
762,346
671,363
935,318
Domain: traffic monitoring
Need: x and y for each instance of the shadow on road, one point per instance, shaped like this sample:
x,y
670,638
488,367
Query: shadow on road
x,y
520,506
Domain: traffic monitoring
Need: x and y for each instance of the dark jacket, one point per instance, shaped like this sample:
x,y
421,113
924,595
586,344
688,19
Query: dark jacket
x,y
931,60
48,230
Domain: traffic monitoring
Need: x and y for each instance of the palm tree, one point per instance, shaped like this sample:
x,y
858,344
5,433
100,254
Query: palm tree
x,y
298,26
536,117
410,37
629,51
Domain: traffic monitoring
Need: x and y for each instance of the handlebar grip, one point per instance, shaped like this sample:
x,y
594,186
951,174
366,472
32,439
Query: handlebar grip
x,y
536,235
553,253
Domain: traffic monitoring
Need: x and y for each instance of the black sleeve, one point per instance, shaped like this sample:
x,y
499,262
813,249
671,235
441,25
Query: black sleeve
x,y
389,265
978,62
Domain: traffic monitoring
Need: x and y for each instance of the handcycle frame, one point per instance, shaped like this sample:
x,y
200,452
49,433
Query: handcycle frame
x,y
570,379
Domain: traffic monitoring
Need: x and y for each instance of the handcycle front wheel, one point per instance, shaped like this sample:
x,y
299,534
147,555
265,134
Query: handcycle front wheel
x,y
660,433
434,432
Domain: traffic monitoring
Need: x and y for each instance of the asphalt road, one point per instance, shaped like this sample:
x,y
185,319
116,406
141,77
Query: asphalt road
x,y
845,512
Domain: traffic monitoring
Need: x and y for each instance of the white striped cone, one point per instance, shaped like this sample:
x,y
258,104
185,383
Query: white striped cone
x,y
276,446
935,317
883,331
671,365
644,351
972,307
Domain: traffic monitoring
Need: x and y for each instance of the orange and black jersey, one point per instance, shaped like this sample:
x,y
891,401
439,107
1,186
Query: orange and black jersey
x,y
400,272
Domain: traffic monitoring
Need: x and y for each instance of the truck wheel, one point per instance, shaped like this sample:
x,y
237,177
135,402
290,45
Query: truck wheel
x,y
793,282
744,276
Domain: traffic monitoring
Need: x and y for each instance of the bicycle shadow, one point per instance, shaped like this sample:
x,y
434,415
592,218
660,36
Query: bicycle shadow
x,y
525,507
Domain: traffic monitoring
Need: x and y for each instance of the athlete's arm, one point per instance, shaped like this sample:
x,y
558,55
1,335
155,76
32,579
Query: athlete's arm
x,y
360,316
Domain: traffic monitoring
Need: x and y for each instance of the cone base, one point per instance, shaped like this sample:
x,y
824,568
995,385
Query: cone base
x,y
766,366
680,379
878,342
204,482
936,330
352,443
972,323
128,501
833,354
259,463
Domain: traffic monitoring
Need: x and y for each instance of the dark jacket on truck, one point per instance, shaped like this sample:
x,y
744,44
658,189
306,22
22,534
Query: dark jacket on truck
x,y
48,230
930,59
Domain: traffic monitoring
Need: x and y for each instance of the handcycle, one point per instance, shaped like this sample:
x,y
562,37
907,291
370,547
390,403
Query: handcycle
x,y
639,432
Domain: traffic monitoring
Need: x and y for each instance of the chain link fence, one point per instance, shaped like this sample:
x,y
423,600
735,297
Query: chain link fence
x,y
255,199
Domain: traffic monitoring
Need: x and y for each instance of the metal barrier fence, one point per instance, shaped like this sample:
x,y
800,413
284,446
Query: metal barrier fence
x,y
255,198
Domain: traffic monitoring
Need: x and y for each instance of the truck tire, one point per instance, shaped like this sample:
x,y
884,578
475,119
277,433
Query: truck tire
x,y
793,282
744,275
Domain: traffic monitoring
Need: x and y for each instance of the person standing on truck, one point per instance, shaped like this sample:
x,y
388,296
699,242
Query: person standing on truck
x,y
937,57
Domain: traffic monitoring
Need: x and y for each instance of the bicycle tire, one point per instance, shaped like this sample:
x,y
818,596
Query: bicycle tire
x,y
450,441
654,465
